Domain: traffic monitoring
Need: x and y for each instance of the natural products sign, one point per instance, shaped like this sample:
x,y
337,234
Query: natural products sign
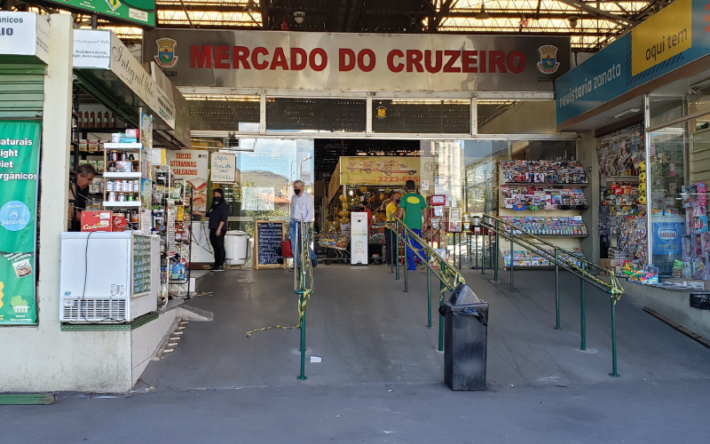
x,y
19,166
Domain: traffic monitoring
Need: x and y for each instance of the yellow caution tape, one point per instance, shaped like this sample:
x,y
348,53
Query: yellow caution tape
x,y
301,311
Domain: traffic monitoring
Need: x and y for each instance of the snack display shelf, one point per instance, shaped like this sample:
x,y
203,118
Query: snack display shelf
x,y
122,146
132,204
545,184
120,175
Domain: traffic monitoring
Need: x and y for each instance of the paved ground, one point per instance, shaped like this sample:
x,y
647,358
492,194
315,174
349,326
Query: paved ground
x,y
380,379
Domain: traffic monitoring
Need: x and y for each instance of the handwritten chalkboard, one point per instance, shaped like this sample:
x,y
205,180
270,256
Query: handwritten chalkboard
x,y
267,243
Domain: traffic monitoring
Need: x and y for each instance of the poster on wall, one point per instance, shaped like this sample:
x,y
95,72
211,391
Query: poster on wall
x,y
19,166
378,170
191,166
224,167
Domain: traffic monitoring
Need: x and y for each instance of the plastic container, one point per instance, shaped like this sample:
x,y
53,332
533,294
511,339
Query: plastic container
x,y
235,246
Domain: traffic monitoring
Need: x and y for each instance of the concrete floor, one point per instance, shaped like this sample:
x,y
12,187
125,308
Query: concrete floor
x,y
380,379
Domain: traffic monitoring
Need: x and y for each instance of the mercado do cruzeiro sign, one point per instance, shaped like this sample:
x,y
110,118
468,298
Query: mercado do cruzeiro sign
x,y
19,164
358,62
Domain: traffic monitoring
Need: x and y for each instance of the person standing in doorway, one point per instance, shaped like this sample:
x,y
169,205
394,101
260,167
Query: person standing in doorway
x,y
218,214
78,194
390,235
411,211
301,210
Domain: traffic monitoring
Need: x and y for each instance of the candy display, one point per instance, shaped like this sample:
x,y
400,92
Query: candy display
x,y
696,238
543,171
536,198
622,216
522,258
621,152
551,226
647,274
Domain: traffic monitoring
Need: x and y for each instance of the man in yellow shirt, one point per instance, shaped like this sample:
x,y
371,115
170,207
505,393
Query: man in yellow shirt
x,y
390,236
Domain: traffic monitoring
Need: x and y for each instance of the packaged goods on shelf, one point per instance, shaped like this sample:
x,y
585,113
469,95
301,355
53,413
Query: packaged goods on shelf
x,y
543,171
548,226
522,258
535,198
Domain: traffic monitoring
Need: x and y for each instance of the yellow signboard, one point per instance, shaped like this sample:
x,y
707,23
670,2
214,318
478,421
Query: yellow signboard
x,y
662,36
378,170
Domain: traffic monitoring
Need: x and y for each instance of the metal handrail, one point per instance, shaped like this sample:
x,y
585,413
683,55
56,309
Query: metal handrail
x,y
535,244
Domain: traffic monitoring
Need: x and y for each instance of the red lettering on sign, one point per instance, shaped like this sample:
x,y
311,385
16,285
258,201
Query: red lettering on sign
x,y
390,60
279,60
497,61
255,58
469,61
240,54
454,56
370,54
200,59
516,68
482,63
299,59
323,59
346,59
414,60
427,61
221,53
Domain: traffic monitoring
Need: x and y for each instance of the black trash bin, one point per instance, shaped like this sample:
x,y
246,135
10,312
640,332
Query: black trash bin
x,y
465,340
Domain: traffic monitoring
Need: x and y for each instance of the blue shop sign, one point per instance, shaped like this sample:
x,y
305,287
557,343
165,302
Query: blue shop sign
x,y
672,38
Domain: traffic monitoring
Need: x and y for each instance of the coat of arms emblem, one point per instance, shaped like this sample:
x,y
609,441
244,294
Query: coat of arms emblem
x,y
166,57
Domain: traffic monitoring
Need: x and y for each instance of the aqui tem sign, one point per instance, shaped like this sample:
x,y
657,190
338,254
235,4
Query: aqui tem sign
x,y
358,62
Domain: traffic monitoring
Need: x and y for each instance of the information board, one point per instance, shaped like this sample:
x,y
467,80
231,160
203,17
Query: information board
x,y
141,264
268,236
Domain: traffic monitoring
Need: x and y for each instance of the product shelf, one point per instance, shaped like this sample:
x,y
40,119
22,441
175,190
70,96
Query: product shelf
x,y
120,175
123,146
544,184
126,204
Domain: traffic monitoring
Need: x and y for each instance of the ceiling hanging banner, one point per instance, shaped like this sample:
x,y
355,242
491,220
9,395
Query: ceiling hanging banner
x,y
358,62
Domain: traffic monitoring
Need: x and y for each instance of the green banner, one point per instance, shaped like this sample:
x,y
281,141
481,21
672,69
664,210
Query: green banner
x,y
140,12
19,166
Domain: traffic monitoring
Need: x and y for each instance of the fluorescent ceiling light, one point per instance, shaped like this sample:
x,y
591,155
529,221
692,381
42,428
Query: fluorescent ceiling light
x,y
627,112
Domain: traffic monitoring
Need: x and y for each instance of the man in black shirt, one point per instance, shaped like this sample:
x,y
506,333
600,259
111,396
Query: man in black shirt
x,y
218,213
78,193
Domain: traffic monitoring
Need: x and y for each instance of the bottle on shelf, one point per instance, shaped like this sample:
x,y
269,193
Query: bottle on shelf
x,y
92,119
106,120
86,119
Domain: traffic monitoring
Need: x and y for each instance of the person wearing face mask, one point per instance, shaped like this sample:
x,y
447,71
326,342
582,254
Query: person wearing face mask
x,y
218,213
301,210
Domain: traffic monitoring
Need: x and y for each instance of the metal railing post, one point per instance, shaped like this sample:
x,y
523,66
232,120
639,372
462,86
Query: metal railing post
x,y
302,377
394,244
441,317
495,266
483,249
396,250
512,287
583,313
613,339
428,288
557,293
406,263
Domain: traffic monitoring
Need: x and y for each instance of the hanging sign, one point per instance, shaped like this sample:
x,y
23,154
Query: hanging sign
x,y
135,12
360,170
24,34
191,166
358,62
19,166
223,167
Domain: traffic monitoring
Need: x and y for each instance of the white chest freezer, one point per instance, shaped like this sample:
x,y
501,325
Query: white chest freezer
x,y
108,277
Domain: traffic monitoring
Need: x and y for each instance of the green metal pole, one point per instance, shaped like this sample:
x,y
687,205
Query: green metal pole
x,y
393,242
483,250
441,318
614,373
557,293
302,377
583,314
495,265
406,265
512,287
396,251
428,287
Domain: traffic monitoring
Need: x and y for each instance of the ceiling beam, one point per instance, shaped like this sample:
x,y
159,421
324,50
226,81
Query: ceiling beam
x,y
622,21
264,6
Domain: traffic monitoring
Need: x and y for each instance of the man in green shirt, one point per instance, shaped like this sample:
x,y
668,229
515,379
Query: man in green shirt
x,y
412,206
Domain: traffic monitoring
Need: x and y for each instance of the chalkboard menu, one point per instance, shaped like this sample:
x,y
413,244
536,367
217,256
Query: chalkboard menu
x,y
141,264
268,236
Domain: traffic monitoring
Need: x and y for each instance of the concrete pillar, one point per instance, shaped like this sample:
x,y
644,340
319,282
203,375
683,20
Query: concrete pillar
x,y
587,151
